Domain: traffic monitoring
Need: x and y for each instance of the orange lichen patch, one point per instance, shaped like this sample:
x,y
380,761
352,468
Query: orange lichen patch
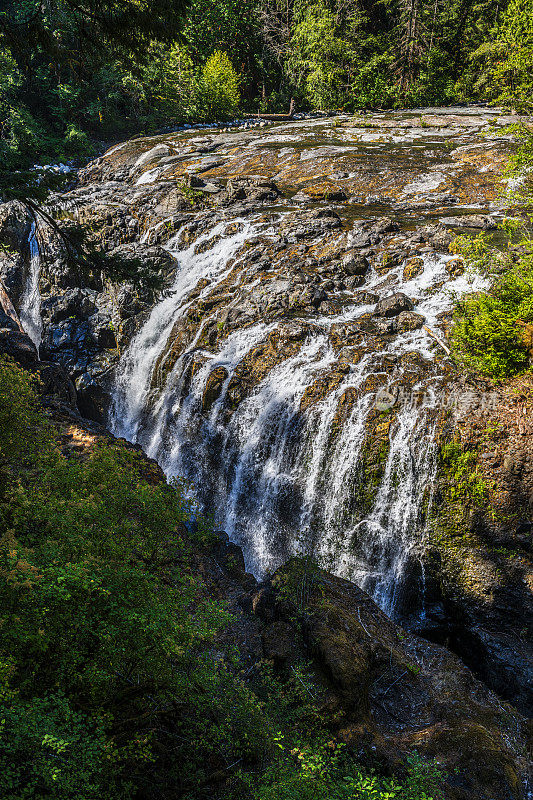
x,y
321,387
482,156
324,190
267,355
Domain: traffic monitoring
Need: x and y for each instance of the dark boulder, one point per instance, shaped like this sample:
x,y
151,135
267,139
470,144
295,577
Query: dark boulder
x,y
93,400
393,305
401,691
355,264
409,321
19,346
55,383
16,223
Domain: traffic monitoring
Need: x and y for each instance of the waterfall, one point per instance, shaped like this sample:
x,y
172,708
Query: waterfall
x,y
281,474
136,373
30,306
387,537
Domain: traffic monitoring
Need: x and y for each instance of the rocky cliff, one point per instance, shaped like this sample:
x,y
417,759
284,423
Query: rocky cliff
x,y
265,313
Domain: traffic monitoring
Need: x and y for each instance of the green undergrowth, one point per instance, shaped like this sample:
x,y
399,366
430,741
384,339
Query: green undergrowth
x,y
465,479
491,329
492,332
113,683
464,493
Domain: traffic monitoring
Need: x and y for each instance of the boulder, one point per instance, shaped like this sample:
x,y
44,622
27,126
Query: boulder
x,y
229,555
76,302
12,275
455,267
55,383
393,305
154,259
480,221
280,642
93,400
16,223
400,691
255,189
355,264
409,321
385,225
18,345
366,298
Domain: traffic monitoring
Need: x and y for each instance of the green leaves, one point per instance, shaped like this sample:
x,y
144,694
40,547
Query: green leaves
x,y
488,331
219,87
98,601
323,770
49,750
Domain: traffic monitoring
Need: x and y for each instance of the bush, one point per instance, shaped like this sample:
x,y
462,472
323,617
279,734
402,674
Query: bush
x,y
99,602
47,749
77,143
489,330
325,771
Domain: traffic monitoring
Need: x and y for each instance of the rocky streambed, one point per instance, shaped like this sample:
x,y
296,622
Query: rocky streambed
x,y
265,312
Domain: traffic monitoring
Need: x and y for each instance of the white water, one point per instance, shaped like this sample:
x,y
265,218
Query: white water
x,y
284,467
134,380
282,478
30,305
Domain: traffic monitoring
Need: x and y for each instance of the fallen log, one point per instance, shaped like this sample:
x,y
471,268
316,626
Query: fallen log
x,y
437,339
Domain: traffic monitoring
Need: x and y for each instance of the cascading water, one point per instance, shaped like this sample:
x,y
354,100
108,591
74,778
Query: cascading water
x,y
280,454
281,478
135,378
30,306
387,537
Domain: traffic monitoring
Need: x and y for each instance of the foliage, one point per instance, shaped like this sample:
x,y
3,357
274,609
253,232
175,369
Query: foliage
x,y
219,87
101,612
504,60
318,56
323,770
467,483
490,331
109,686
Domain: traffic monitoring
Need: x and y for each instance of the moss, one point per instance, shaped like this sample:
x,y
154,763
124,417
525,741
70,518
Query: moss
x,y
372,462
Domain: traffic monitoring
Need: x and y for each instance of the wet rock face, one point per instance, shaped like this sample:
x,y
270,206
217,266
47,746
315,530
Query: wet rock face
x,y
394,305
392,687
381,690
259,315
482,542
16,224
17,345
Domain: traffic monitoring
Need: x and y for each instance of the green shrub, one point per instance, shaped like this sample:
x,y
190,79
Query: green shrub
x,y
324,770
77,142
100,610
47,749
488,330
466,480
